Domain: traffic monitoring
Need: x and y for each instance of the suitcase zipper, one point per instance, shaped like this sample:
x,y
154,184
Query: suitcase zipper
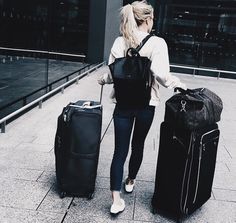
x,y
199,164
178,140
198,172
65,114
189,176
183,203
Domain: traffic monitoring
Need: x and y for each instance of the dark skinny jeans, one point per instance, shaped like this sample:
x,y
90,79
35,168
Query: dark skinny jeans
x,y
124,120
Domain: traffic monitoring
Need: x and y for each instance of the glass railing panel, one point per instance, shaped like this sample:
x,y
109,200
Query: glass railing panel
x,y
21,74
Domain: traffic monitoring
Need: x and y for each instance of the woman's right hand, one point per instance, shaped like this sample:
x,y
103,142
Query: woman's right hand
x,y
101,80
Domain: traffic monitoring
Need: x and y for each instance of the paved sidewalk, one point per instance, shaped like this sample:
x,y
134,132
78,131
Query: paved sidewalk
x,y
27,172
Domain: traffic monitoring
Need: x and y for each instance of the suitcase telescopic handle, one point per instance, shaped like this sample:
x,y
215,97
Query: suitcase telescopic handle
x,y
101,92
88,105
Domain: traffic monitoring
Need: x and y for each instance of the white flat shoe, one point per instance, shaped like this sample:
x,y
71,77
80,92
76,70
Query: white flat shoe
x,y
117,208
129,185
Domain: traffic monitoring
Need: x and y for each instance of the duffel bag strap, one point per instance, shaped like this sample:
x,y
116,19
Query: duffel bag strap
x,y
182,91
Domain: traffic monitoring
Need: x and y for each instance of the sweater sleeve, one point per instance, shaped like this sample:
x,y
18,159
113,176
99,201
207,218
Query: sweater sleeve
x,y
161,68
116,52
107,77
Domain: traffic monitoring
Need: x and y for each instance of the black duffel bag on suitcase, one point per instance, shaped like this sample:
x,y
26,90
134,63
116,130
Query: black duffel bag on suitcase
x,y
77,145
185,169
193,108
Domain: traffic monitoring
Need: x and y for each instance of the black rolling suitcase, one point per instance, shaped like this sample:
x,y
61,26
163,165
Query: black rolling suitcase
x,y
187,152
185,169
77,145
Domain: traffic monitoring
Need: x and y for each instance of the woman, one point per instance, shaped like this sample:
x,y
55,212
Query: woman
x,y
136,24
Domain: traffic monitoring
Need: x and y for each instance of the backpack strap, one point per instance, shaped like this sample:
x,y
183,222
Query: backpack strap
x,y
143,42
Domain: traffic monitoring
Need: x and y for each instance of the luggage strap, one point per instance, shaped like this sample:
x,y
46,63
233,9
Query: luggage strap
x,y
86,105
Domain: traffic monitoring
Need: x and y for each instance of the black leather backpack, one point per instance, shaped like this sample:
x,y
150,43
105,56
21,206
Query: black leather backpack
x,y
132,78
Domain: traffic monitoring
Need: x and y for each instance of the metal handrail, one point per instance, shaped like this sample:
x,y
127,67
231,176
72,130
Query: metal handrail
x,y
44,87
204,69
42,51
40,99
24,98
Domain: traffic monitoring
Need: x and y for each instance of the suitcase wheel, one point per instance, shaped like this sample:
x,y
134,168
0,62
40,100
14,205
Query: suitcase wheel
x,y
62,194
154,210
90,196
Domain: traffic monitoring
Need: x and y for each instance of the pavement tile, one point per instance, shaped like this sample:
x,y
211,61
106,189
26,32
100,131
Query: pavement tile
x,y
223,155
13,215
147,172
19,173
107,144
221,167
224,195
232,168
144,187
106,149
5,152
47,177
7,142
224,180
45,138
230,147
88,219
209,213
18,137
34,147
53,203
143,209
104,165
22,193
150,157
103,182
30,160
99,206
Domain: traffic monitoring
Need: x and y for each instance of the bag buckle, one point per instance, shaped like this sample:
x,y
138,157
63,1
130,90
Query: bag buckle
x,y
183,104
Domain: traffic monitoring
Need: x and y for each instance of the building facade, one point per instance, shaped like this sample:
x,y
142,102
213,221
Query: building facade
x,y
42,41
199,33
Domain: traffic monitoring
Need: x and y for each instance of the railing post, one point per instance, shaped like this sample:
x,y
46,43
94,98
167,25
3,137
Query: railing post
x,y
194,71
40,104
24,102
218,75
3,127
62,90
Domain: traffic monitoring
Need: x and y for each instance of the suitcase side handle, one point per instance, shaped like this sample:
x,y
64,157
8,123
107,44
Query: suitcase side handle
x,y
86,106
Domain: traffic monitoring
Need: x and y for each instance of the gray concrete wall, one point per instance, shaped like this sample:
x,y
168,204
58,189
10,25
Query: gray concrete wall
x,y
103,28
97,19
112,25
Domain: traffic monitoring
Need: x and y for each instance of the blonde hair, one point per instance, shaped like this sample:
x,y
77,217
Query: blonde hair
x,y
132,16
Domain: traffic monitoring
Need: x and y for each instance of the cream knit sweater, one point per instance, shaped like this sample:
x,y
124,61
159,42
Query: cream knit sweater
x,y
156,50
